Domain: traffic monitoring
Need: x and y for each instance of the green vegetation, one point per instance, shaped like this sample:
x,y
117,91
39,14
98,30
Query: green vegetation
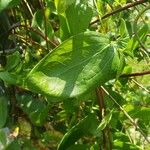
x,y
74,75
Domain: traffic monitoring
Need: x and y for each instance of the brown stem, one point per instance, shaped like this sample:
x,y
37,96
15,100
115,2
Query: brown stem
x,y
136,74
125,7
12,97
100,100
45,23
29,41
33,30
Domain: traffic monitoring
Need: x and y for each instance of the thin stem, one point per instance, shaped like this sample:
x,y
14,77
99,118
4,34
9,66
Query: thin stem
x,y
127,115
34,30
135,28
12,97
136,74
27,41
100,100
141,86
28,7
107,143
45,24
125,7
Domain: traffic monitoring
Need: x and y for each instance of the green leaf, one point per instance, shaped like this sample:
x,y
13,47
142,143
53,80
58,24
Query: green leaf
x,y
133,42
123,28
64,29
3,138
39,22
78,17
105,121
4,4
139,112
84,127
11,78
14,146
74,15
75,67
3,111
122,142
35,109
62,5
12,61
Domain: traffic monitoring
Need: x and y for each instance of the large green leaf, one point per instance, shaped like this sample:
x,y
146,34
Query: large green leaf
x,y
85,127
3,110
78,65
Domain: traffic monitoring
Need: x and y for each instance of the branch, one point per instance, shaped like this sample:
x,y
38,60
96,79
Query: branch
x,y
35,31
135,29
141,86
125,7
136,74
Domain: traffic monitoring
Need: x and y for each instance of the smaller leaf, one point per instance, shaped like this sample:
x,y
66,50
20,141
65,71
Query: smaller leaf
x,y
133,42
84,127
35,109
10,78
3,138
3,110
39,21
14,146
78,14
122,142
12,61
123,28
62,5
104,123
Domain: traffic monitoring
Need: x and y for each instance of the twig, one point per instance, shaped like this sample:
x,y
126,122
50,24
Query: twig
x,y
141,86
100,100
33,30
125,7
136,74
29,41
106,132
45,23
135,28
127,115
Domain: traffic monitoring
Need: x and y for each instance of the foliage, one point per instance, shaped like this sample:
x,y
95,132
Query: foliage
x,y
74,74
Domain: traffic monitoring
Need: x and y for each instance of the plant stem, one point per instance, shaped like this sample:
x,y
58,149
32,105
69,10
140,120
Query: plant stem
x,y
12,97
100,100
34,30
135,28
141,86
107,144
136,74
125,7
